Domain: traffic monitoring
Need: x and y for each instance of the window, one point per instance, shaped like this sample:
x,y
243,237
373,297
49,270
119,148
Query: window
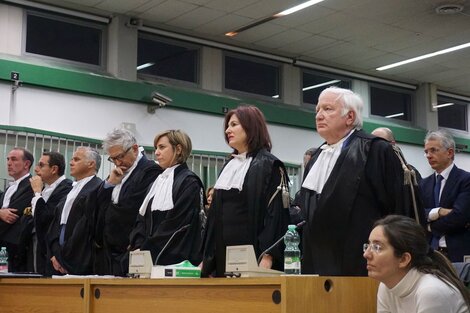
x,y
313,84
161,57
65,38
452,113
391,102
252,75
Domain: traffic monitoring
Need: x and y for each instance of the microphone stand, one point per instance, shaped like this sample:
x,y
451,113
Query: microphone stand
x,y
297,227
169,240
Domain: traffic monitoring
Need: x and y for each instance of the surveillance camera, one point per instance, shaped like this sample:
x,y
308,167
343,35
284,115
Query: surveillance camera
x,y
134,23
160,99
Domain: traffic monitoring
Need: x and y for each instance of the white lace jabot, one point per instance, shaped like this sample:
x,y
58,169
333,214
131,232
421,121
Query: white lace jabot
x,y
321,169
233,174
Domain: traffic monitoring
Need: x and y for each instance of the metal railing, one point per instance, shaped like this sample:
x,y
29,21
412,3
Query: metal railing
x,y
205,164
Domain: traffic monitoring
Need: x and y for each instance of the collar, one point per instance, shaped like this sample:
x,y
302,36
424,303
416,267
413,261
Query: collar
x,y
406,285
57,182
18,181
83,181
241,156
337,144
445,173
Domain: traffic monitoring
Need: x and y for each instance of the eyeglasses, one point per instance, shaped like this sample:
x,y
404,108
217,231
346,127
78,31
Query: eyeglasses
x,y
119,157
432,151
41,165
376,248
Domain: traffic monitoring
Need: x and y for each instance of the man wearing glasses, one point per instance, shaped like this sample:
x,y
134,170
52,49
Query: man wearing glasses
x,y
49,186
120,198
446,196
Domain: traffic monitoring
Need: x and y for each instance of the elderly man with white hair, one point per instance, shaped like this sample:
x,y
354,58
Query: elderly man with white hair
x,y
352,180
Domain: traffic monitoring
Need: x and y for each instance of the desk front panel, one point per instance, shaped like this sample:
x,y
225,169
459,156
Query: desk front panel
x,y
185,298
40,295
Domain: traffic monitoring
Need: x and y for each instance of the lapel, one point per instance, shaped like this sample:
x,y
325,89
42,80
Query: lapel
x,y
61,190
130,181
347,172
449,187
24,184
77,209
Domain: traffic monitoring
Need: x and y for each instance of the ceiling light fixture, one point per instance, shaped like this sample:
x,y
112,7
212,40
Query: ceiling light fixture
x,y
297,8
443,105
267,19
145,65
425,56
395,115
331,82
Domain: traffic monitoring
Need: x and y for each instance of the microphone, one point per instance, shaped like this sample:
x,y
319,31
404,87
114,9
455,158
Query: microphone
x,y
169,240
297,227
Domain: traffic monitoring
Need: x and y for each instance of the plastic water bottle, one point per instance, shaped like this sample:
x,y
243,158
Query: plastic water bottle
x,y
3,260
292,252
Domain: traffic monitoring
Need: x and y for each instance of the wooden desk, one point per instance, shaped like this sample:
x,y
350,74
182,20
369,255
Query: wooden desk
x,y
284,294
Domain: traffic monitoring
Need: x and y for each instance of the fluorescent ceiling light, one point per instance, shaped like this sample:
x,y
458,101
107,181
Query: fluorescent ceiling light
x,y
275,97
395,115
334,81
297,8
269,18
425,56
443,105
145,65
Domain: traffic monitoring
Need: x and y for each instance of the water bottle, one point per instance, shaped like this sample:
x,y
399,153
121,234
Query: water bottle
x,y
292,251
3,260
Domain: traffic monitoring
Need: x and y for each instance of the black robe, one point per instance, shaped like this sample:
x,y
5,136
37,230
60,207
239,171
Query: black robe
x,y
365,184
115,221
264,225
153,230
10,233
76,254
43,216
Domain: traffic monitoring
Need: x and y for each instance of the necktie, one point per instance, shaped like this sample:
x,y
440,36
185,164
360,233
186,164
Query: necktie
x,y
437,190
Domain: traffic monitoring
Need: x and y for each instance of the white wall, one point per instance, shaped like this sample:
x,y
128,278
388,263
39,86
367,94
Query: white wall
x,y
93,117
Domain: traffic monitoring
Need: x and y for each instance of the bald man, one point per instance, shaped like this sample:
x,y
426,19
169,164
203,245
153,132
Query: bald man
x,y
411,175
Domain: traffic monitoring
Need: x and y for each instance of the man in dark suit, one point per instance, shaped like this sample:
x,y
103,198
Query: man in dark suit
x,y
70,236
121,196
446,196
50,186
351,181
411,176
13,202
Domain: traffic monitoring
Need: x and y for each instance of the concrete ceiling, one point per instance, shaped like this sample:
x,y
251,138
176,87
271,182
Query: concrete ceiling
x,y
357,35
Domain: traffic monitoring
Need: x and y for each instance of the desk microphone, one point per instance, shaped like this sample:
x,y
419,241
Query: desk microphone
x,y
169,240
297,227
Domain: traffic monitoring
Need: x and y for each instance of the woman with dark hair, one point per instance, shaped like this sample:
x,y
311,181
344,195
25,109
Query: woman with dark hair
x,y
171,206
247,206
413,277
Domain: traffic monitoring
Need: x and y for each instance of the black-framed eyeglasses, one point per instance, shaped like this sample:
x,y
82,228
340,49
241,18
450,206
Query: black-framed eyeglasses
x,y
119,157
374,247
41,165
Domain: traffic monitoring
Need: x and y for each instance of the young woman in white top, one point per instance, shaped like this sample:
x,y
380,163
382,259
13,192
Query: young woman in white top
x,y
413,277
